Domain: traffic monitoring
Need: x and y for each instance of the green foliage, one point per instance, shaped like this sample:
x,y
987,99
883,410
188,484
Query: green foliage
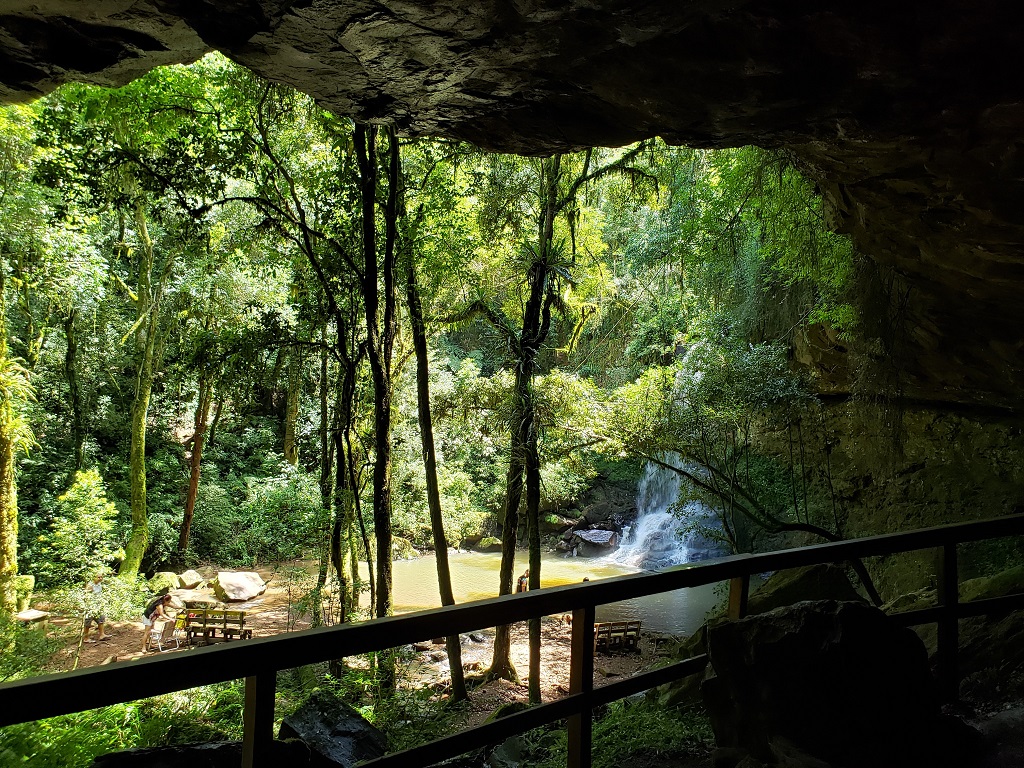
x,y
244,521
82,539
626,732
24,651
212,713
123,599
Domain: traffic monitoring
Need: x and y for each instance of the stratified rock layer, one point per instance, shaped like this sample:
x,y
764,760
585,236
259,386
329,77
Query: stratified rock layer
x,y
909,115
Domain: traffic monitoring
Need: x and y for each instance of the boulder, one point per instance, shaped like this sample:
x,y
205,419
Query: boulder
x,y
1008,582
488,544
190,579
194,598
402,549
552,523
163,582
594,543
813,582
835,682
336,734
237,587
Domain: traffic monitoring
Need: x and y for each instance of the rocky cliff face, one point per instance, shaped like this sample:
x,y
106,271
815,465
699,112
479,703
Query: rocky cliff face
x,y
891,468
909,115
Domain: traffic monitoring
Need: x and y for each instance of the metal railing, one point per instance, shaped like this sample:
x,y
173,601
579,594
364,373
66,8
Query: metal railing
x,y
257,661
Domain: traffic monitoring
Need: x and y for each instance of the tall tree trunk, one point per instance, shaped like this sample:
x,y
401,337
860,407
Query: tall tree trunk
x,y
323,540
524,463
501,657
444,577
202,415
380,338
147,329
291,414
74,393
8,489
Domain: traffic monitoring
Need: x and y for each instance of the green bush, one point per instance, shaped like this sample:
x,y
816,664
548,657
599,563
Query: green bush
x,y
81,537
212,713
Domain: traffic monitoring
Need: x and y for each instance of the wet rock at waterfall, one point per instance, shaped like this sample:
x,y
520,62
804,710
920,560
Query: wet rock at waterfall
x,y
839,682
594,543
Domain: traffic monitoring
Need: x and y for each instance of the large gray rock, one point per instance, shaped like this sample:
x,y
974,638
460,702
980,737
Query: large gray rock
x,y
190,579
336,734
238,586
594,543
839,682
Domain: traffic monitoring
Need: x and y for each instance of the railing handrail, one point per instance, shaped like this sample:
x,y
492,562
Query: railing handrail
x,y
68,692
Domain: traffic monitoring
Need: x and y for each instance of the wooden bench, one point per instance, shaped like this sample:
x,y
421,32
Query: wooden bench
x,y
617,635
210,625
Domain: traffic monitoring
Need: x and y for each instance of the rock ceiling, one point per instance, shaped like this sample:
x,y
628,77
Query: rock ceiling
x,y
908,114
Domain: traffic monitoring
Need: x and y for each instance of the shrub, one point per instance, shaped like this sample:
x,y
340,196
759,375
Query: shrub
x,y
81,538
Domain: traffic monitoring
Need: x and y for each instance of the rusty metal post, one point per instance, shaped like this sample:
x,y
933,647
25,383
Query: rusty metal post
x,y
258,719
581,680
949,625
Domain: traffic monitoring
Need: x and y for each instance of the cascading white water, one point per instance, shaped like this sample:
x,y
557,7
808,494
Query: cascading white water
x,y
660,538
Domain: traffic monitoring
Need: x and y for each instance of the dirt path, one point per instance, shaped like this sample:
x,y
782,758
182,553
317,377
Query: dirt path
x,y
272,614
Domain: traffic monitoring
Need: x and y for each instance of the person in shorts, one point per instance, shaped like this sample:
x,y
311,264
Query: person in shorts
x,y
95,612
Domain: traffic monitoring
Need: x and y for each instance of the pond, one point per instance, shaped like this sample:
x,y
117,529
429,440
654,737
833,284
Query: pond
x,y
475,577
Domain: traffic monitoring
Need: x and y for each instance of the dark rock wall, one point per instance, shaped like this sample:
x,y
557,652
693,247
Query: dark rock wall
x,y
908,114
900,468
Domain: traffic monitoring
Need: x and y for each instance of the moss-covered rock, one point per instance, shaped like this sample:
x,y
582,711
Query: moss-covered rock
x,y
1008,582
402,549
814,582
488,544
163,582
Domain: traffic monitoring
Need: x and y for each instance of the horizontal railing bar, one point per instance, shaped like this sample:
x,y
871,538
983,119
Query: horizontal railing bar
x,y
64,693
644,681
483,735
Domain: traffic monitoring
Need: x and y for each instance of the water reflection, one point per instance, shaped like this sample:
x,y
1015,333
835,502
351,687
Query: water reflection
x,y
475,577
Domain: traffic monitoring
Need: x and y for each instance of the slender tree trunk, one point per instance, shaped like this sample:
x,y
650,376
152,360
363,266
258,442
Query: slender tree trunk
x,y
74,393
291,415
217,411
202,416
8,489
501,658
147,328
444,577
327,455
379,283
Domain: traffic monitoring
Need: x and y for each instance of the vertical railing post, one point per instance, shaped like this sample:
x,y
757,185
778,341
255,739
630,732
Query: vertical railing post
x,y
739,592
581,680
949,625
258,719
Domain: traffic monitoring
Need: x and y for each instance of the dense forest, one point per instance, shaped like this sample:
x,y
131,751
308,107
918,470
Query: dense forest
x,y
238,329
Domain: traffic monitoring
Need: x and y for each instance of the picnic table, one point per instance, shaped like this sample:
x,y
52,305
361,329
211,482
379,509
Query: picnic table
x,y
213,625
617,635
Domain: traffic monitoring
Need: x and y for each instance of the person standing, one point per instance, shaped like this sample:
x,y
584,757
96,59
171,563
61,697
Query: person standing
x,y
523,584
95,610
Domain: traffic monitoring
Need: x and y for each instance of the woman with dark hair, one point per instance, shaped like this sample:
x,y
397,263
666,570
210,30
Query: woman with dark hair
x,y
157,609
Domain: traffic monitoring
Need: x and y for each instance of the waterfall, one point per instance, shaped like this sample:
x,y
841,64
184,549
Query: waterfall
x,y
659,538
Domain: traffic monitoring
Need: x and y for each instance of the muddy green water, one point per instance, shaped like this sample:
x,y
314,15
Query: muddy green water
x,y
475,577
